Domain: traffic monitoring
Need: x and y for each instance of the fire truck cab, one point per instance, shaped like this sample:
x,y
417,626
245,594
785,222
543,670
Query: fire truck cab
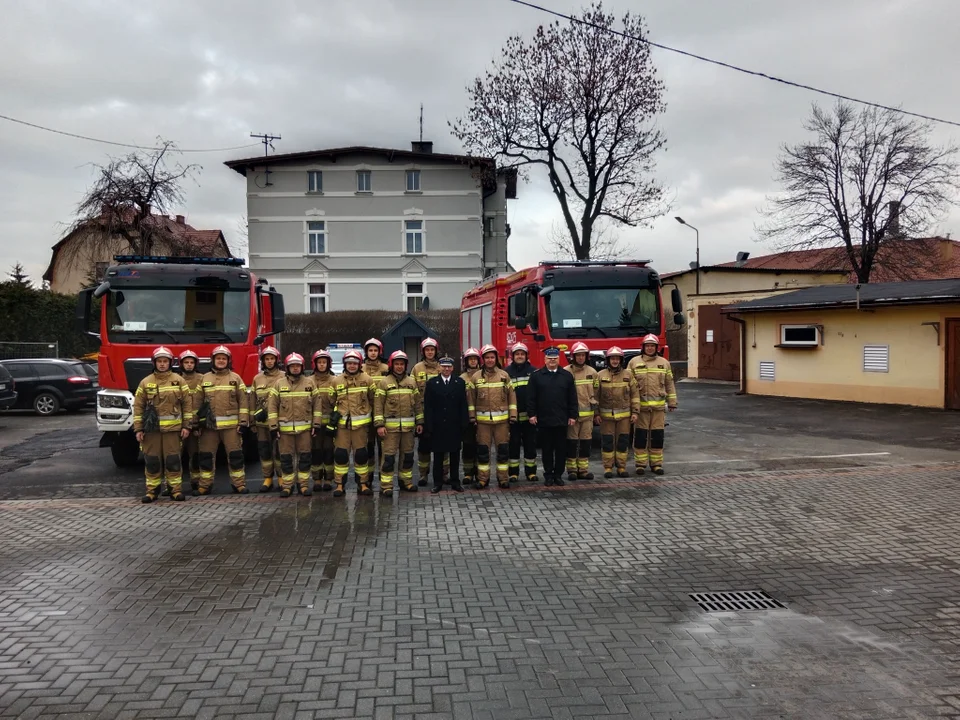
x,y
601,304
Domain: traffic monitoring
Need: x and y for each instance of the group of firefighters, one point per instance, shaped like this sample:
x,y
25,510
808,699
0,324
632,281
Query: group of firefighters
x,y
310,426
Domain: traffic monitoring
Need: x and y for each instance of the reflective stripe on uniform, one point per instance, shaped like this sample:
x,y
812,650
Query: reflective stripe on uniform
x,y
617,414
294,426
492,416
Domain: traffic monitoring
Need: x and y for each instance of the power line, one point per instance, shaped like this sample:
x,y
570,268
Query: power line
x,y
729,66
120,144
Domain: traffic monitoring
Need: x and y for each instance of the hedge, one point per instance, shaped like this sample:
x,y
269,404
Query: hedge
x,y
31,315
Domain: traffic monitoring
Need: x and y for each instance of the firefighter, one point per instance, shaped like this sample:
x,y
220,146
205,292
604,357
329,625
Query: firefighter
x,y
492,405
471,363
580,435
351,415
191,380
398,417
222,414
427,368
657,393
617,411
259,394
376,368
322,451
160,409
522,433
291,407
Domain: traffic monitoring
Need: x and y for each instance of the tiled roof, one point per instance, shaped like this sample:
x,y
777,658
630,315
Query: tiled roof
x,y
885,293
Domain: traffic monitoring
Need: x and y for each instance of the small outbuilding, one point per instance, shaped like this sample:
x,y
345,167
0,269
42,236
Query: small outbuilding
x,y
894,342
406,334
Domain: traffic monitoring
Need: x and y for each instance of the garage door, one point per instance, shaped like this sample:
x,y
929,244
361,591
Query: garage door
x,y
718,345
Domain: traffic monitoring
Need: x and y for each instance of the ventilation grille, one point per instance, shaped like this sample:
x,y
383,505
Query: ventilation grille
x,y
876,358
767,371
735,600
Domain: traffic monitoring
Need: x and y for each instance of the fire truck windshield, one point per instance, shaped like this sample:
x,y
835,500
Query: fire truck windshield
x,y
602,312
190,313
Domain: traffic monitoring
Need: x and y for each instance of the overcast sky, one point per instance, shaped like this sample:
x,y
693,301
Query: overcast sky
x,y
339,72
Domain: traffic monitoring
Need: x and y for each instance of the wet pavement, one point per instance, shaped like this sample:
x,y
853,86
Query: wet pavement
x,y
539,603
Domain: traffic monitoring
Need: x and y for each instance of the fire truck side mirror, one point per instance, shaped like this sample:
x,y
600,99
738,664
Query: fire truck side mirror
x,y
520,322
277,315
82,313
676,300
678,319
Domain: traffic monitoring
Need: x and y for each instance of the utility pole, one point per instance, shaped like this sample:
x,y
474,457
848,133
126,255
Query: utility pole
x,y
421,122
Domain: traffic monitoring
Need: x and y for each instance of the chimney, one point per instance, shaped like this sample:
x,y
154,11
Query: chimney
x,y
742,258
181,220
422,146
893,219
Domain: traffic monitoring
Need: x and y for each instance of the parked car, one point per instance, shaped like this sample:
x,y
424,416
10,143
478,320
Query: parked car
x,y
8,393
46,384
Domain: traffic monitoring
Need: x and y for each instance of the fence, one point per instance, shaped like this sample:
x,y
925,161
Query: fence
x,y
12,350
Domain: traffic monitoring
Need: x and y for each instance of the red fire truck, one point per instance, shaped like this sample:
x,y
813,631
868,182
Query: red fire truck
x,y
559,303
179,302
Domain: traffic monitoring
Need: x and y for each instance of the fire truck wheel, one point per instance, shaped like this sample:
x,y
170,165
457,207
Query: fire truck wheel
x,y
125,450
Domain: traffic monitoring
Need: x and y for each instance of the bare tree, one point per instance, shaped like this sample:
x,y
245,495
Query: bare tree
x,y
579,101
242,244
606,243
128,203
18,276
869,179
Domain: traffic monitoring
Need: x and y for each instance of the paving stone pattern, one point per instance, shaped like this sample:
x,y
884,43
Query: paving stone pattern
x,y
540,603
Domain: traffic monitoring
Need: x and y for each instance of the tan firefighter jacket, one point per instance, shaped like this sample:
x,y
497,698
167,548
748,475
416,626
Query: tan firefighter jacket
x,y
354,399
423,371
616,394
584,377
492,398
375,368
167,394
654,378
398,404
260,392
227,395
191,383
326,393
467,377
291,404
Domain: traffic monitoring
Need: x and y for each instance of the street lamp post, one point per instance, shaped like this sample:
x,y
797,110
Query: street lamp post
x,y
684,222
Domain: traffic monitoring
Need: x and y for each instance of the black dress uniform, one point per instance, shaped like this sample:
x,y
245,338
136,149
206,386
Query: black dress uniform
x,y
552,400
445,418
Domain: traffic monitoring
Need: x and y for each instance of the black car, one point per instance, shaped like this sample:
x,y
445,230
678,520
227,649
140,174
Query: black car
x,y
8,394
47,384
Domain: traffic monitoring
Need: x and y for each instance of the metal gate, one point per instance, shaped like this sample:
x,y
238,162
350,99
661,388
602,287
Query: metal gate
x,y
718,345
11,350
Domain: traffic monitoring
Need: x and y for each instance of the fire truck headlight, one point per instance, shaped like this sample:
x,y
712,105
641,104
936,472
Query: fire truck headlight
x,y
112,401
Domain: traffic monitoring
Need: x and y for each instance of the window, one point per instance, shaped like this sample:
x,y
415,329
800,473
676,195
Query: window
x,y
413,230
315,181
317,238
363,181
317,298
799,335
413,181
99,270
876,358
415,297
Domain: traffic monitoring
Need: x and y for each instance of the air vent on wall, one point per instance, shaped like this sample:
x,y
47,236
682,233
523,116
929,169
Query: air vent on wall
x,y
767,370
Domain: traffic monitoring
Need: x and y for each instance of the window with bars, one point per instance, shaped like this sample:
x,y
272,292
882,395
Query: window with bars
x,y
315,181
413,181
317,298
415,295
413,234
364,183
317,237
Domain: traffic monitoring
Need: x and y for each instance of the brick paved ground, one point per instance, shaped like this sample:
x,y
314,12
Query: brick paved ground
x,y
541,603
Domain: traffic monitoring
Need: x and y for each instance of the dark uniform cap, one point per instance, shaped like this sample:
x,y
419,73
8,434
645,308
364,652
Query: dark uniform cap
x,y
551,352
446,361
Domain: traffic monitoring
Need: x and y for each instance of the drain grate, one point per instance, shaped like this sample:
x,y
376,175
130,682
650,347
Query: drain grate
x,y
736,600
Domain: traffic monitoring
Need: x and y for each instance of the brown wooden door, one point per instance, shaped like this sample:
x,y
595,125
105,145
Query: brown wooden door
x,y
718,345
951,339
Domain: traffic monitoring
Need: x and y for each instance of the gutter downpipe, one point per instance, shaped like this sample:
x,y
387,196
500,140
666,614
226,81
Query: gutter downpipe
x,y
743,353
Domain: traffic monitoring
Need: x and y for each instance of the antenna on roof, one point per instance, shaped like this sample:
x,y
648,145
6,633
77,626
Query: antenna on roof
x,y
421,122
267,140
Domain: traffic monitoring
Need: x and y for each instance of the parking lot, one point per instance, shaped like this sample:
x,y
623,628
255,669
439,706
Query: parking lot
x,y
539,603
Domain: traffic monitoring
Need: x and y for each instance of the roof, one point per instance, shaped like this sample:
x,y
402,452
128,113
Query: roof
x,y
932,258
205,242
332,154
410,319
914,292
